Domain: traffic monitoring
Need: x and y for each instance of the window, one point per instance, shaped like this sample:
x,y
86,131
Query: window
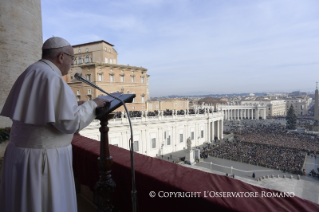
x,y
133,108
114,61
132,79
78,92
153,142
169,140
100,77
105,49
157,106
142,98
78,98
143,107
111,78
122,78
79,50
151,107
87,59
80,60
181,138
106,60
89,91
111,61
192,135
181,104
88,77
135,146
175,104
202,133
142,80
87,50
133,100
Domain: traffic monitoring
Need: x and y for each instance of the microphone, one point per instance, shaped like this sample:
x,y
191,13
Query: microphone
x,y
133,192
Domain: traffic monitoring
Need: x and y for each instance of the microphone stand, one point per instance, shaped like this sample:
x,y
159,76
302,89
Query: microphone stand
x,y
133,192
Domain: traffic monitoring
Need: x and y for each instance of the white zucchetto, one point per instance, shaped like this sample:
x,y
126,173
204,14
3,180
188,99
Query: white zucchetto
x,y
54,43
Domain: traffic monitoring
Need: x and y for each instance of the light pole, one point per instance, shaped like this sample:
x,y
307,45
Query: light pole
x,y
162,149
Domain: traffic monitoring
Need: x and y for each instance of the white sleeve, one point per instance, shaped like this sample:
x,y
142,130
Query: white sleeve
x,y
82,118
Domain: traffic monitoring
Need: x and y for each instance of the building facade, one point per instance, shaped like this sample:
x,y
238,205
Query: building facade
x,y
301,105
274,107
157,135
168,104
97,62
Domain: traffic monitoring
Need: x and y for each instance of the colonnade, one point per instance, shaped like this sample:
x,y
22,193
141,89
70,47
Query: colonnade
x,y
244,113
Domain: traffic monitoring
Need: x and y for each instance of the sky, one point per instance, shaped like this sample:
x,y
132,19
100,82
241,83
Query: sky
x,y
200,47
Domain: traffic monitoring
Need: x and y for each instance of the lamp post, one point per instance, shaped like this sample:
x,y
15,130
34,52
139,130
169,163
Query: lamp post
x,y
162,149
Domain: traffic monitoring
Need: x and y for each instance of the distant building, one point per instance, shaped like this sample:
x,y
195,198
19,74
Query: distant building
x,y
167,104
98,63
273,107
301,104
279,107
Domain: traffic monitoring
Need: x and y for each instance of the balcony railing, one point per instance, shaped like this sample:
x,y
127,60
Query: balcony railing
x,y
176,188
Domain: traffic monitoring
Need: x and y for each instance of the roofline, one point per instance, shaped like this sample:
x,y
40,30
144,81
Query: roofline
x,y
97,64
92,43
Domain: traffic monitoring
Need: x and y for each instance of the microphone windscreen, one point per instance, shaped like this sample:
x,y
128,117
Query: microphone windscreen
x,y
77,76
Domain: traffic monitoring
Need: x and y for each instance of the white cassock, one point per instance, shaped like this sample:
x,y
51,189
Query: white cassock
x,y
37,174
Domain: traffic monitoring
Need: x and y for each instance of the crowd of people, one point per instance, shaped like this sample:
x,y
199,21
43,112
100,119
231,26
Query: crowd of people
x,y
274,135
165,113
267,143
281,158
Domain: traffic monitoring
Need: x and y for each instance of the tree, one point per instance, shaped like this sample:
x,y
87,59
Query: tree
x,y
291,119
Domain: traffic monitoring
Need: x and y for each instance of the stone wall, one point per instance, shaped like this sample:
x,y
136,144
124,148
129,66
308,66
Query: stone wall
x,y
20,43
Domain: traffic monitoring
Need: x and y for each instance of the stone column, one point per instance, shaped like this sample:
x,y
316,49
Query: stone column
x,y
221,126
217,130
256,113
21,42
213,130
265,114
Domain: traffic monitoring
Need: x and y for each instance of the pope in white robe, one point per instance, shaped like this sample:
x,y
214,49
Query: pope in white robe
x,y
37,174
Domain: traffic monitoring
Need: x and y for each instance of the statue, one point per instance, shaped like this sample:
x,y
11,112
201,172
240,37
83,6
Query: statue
x,y
189,144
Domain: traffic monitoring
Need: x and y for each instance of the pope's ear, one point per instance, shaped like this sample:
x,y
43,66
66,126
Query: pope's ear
x,y
60,57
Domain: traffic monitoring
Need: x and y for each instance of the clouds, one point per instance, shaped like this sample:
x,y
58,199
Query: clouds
x,y
213,46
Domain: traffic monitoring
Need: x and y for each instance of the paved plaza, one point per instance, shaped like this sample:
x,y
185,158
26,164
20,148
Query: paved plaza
x,y
307,187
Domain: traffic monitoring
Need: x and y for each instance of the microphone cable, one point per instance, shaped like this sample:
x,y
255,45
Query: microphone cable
x,y
133,192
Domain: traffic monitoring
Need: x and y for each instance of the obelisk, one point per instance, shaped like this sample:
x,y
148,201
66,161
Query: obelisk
x,y
316,111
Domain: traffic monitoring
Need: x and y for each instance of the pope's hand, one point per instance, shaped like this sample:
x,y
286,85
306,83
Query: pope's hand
x,y
100,102
80,102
